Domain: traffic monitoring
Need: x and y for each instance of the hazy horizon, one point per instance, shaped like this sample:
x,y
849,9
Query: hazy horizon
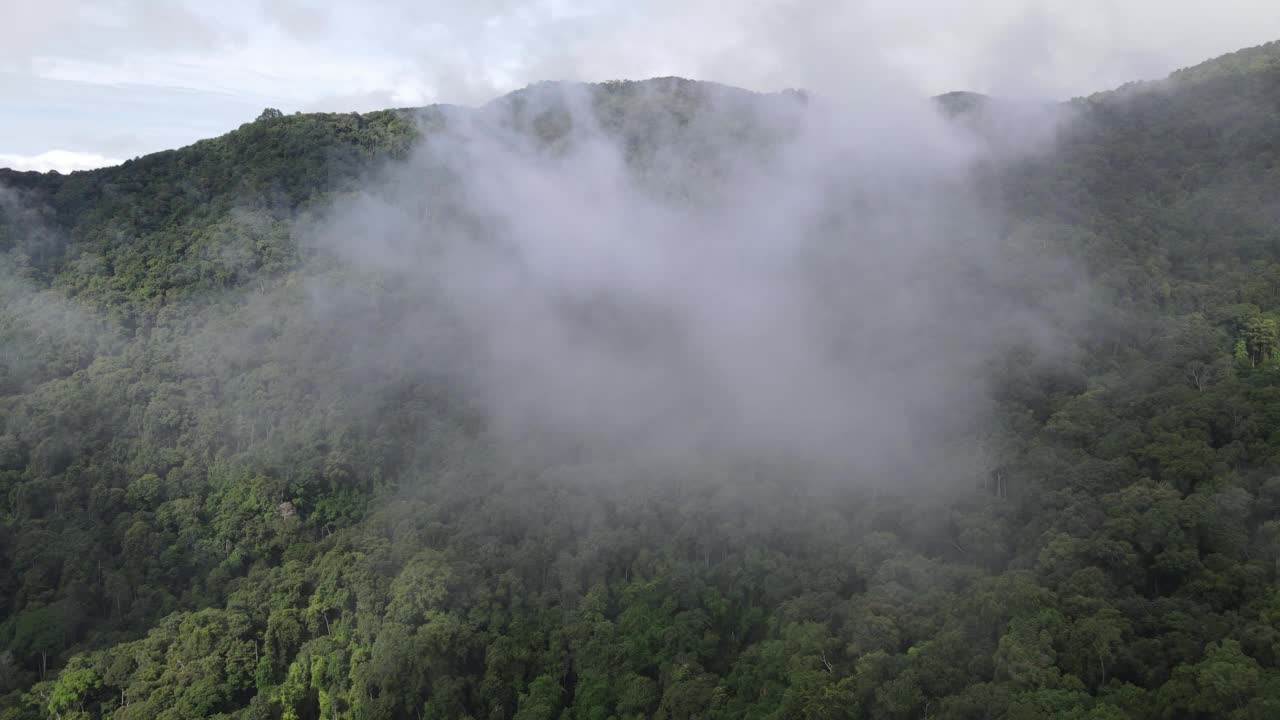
x,y
86,86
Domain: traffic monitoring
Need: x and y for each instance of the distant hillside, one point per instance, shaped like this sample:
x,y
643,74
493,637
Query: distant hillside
x,y
959,102
1261,59
236,483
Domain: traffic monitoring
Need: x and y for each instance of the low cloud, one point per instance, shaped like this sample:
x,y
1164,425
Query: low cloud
x,y
63,161
707,274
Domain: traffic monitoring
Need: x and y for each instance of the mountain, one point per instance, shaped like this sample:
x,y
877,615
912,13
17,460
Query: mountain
x,y
654,399
961,102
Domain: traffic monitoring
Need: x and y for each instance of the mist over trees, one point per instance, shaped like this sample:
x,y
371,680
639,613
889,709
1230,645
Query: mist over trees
x,y
654,399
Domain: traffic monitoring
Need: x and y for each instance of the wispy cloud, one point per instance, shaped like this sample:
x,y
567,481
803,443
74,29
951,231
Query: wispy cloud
x,y
64,161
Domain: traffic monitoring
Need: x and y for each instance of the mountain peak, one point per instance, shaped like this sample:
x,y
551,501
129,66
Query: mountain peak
x,y
960,102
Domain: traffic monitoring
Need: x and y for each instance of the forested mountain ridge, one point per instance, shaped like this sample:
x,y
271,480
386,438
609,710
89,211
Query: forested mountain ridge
x,y
231,489
157,218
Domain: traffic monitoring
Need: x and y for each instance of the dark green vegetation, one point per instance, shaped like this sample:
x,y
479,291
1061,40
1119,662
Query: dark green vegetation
x,y
191,527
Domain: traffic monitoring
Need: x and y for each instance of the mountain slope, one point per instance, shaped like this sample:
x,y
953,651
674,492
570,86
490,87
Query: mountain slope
x,y
235,486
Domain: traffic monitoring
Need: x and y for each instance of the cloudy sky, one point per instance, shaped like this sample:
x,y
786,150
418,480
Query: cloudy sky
x,y
91,82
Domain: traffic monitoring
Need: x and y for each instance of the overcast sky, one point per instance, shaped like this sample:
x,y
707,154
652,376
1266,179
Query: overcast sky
x,y
88,83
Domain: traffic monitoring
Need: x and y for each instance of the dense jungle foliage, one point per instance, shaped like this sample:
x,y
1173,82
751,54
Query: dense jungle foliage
x,y
192,527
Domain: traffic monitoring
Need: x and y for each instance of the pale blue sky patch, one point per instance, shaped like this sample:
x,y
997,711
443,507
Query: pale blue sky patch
x,y
121,121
